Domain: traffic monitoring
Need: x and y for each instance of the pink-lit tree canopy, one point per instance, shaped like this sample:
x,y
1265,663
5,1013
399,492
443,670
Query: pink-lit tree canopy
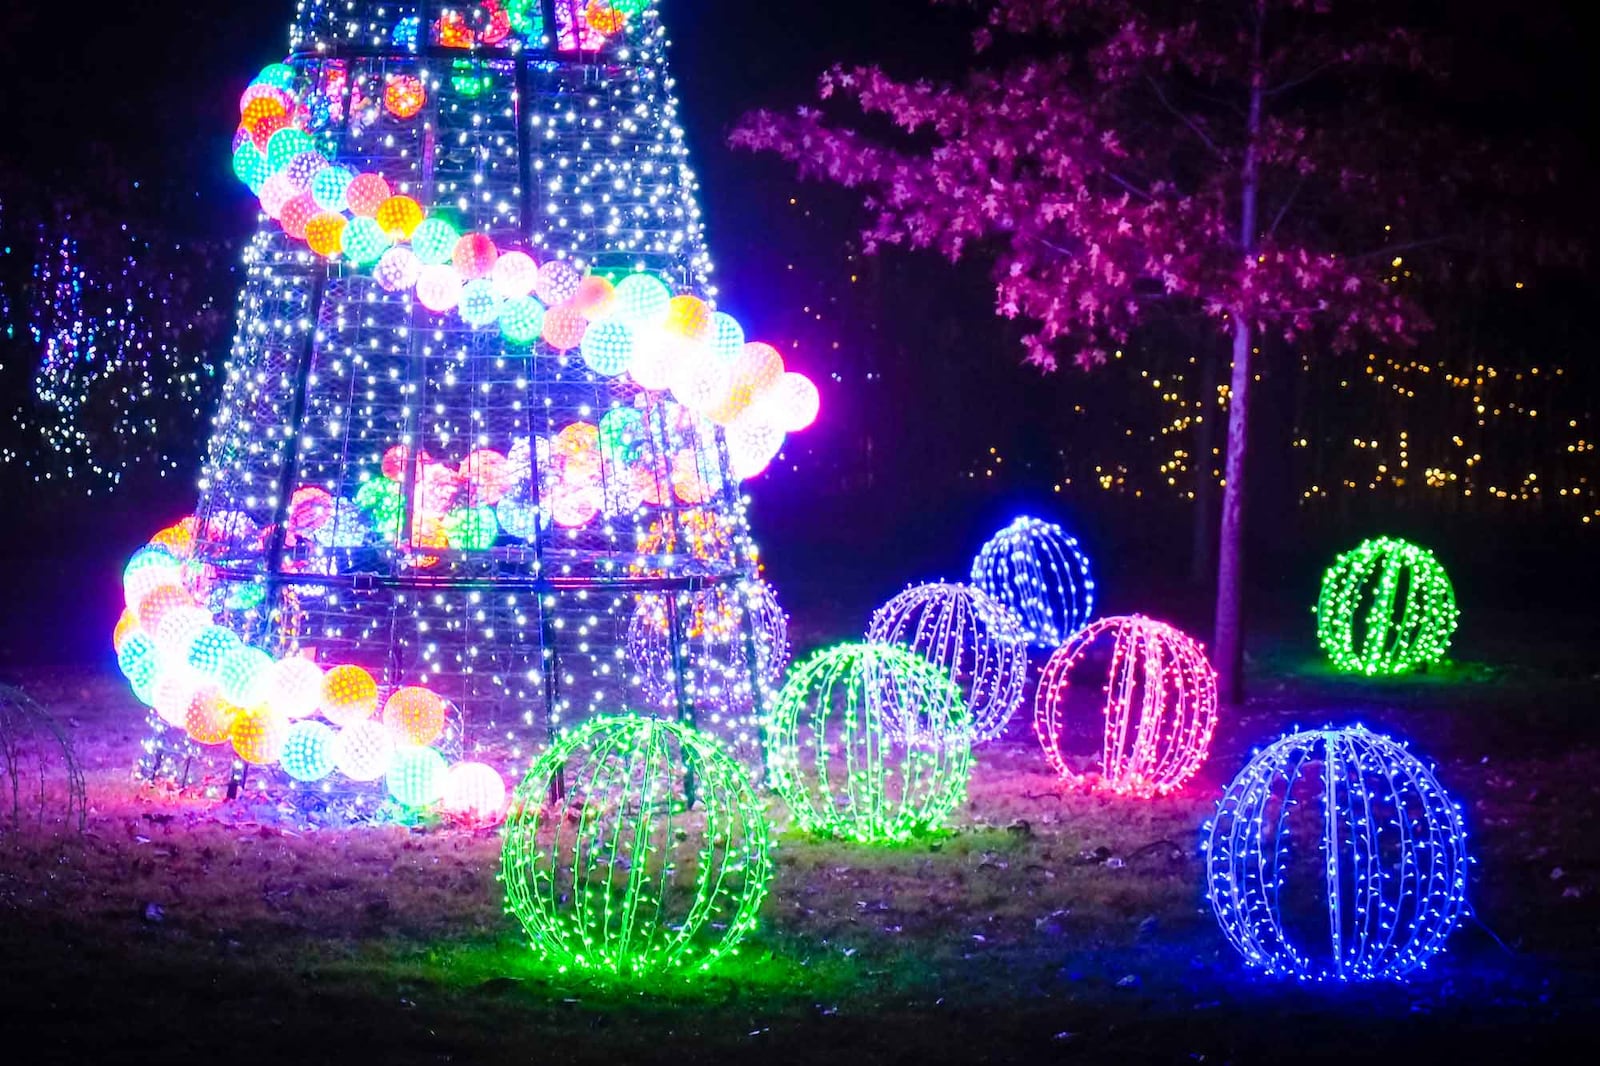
x,y
1248,166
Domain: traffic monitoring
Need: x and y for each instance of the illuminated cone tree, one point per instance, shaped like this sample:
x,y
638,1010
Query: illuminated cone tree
x,y
481,413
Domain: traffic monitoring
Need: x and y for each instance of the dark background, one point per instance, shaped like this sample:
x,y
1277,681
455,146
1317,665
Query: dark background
x,y
133,106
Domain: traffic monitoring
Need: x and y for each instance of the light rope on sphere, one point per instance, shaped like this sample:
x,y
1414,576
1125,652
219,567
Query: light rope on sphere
x,y
869,742
1386,607
1337,855
967,633
620,873
1038,570
721,632
1159,711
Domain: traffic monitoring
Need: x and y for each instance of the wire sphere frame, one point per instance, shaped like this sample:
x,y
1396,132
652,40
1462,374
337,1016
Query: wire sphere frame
x,y
1390,866
1039,571
623,873
1357,623
976,639
1160,708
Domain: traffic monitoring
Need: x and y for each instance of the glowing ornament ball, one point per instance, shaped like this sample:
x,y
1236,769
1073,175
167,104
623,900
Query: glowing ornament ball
x,y
1156,719
1386,607
869,742
415,776
258,735
349,695
971,637
308,751
474,792
1038,570
623,873
404,96
1337,855
414,715
361,751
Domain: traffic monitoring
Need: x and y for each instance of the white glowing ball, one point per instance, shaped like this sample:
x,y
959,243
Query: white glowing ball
x,y
752,445
653,351
514,275
439,287
292,687
171,696
361,751
557,280
398,269
792,404
177,630
474,790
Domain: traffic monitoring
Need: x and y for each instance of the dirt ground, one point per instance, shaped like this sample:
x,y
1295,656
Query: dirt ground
x,y
1046,926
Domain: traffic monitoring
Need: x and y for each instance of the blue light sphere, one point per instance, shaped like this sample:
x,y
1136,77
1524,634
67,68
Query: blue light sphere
x,y
1038,570
308,751
1337,855
210,648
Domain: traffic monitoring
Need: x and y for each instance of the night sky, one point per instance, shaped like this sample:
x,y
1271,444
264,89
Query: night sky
x,y
896,481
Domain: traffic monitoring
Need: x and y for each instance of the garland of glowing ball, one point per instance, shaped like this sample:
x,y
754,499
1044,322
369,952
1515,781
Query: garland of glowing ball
x,y
1365,624
1336,855
870,743
312,721
620,873
969,635
635,326
1038,570
1159,712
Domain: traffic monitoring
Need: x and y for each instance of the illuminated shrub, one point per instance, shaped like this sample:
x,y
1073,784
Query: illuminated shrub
x,y
621,873
1386,607
968,634
869,742
1337,855
1038,571
1160,707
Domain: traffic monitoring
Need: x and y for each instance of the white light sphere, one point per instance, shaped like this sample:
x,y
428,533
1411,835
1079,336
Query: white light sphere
x,y
361,751
970,636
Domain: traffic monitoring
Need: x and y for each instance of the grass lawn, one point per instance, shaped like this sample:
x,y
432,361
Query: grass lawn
x,y
1046,926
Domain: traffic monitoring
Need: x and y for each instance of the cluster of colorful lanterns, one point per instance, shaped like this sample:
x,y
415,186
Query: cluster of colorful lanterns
x,y
312,721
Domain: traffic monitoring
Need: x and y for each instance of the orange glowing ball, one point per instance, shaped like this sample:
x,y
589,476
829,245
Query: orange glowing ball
x,y
564,326
209,719
453,31
688,316
594,298
158,601
757,369
687,481
324,232
603,18
260,110
414,715
258,735
404,95
177,539
366,193
349,695
127,626
266,128
399,215
575,439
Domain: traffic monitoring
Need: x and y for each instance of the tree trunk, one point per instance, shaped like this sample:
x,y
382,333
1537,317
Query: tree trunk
x,y
1227,652
1228,641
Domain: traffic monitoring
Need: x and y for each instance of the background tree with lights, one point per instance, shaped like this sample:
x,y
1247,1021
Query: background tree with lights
x,y
1240,168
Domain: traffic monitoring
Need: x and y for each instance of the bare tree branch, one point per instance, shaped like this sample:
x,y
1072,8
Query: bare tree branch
x,y
1194,126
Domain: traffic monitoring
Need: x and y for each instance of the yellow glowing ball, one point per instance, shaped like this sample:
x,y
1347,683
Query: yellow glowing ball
x,y
177,539
258,734
349,695
399,215
209,719
414,715
324,232
688,316
127,626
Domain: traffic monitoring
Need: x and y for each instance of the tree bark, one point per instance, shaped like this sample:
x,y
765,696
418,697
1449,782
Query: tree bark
x,y
1228,649
1228,640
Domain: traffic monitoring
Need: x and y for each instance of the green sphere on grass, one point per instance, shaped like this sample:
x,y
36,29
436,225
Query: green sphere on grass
x,y
1387,607
636,846
870,743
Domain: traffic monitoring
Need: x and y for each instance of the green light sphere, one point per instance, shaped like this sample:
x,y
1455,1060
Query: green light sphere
x,y
522,320
364,241
433,240
869,742
621,873
415,775
1386,607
